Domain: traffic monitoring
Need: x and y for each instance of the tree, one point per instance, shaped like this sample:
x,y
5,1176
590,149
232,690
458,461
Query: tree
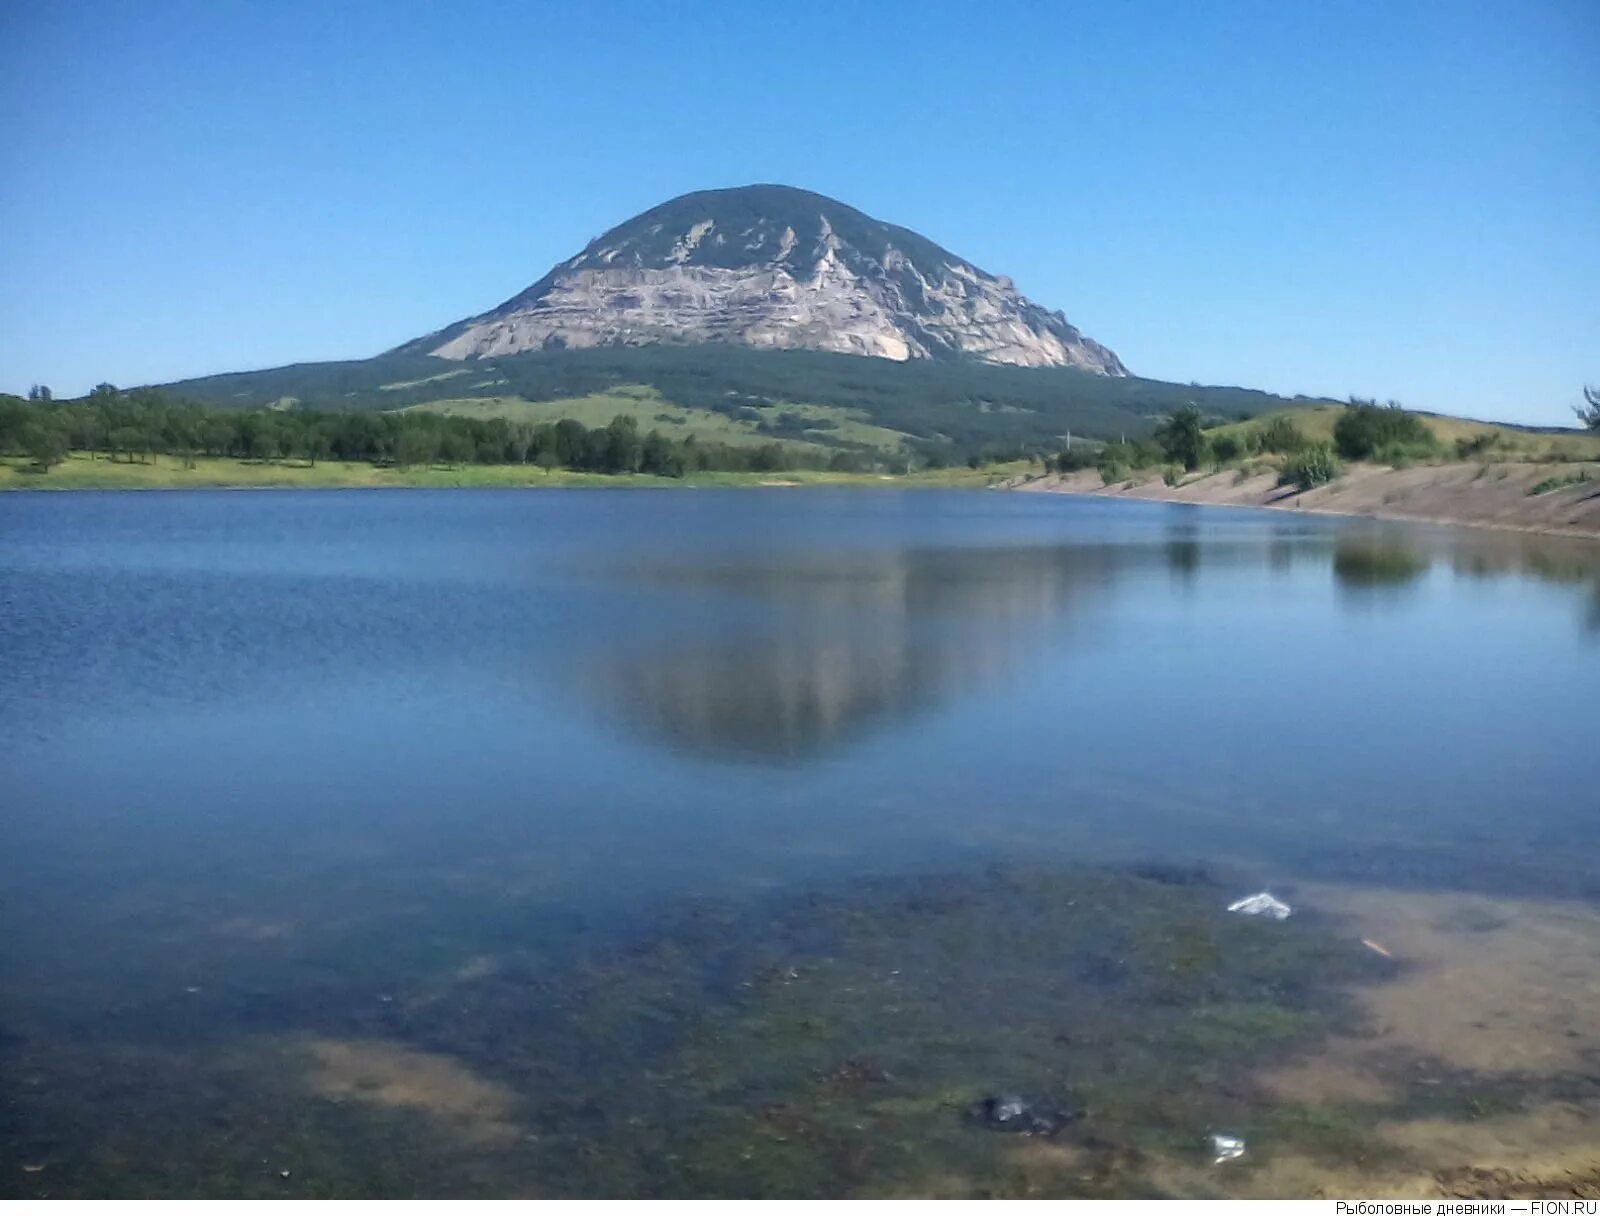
x,y
660,457
86,429
518,442
46,445
1182,437
217,436
596,452
1589,412
126,439
623,449
255,437
14,419
182,437
317,444
455,447
40,392
287,437
414,446
568,443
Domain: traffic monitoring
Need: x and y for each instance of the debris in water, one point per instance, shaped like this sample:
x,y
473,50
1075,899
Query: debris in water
x,y
856,1071
1225,1148
1261,904
1372,945
1013,1114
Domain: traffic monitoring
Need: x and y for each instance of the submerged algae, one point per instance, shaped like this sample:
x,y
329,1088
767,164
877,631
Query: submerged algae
x,y
828,1045
1135,1000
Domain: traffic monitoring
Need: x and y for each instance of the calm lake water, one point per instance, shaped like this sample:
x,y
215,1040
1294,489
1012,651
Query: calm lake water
x,y
277,762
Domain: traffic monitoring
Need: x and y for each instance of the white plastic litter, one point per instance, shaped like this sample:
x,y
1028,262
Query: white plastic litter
x,y
1225,1148
1261,904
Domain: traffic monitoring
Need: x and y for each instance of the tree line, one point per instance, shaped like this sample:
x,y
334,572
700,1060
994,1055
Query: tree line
x,y
142,423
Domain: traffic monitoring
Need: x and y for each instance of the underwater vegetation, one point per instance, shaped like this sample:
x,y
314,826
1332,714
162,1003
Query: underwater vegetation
x,y
1015,1032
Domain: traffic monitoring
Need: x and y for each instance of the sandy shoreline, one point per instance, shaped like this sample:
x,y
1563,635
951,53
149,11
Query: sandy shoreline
x,y
1470,494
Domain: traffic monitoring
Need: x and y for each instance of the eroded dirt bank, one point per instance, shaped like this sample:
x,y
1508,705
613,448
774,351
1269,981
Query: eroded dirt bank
x,y
1481,495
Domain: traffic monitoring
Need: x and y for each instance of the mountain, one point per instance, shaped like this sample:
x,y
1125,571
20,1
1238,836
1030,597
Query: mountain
x,y
773,267
743,316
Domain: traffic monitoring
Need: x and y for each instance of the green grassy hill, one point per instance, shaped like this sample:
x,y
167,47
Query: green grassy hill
x,y
1491,440
814,427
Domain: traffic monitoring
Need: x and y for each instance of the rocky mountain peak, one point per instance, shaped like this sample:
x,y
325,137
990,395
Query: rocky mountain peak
x,y
774,267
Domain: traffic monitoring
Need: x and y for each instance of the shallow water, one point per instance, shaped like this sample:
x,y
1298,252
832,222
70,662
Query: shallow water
x,y
323,809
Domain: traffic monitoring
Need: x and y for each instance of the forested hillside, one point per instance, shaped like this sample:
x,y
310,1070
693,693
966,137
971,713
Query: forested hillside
x,y
965,406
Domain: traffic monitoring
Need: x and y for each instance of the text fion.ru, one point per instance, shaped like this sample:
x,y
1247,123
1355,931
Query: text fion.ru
x,y
1535,1207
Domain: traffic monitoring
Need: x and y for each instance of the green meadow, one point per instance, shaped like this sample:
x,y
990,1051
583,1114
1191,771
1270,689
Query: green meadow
x,y
80,471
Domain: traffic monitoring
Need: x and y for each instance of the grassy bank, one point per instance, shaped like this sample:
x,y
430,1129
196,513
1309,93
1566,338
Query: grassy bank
x,y
80,472
1491,439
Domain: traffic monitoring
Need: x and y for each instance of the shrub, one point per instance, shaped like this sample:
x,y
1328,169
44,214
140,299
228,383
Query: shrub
x,y
1369,431
1315,465
1117,461
1078,458
1551,484
1280,435
1135,455
1226,447
1182,437
1172,474
1478,445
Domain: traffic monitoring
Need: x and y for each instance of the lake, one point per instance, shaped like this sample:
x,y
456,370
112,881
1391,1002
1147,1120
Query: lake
x,y
740,841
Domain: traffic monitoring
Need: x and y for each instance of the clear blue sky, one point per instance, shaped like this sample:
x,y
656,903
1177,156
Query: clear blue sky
x,y
1387,198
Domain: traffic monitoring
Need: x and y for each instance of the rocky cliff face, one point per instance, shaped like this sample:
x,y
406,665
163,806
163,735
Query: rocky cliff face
x,y
775,267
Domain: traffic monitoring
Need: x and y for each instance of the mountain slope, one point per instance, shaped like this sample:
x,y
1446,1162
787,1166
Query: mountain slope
x,y
773,267
967,404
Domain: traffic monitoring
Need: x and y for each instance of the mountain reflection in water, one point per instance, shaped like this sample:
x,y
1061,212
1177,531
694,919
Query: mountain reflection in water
x,y
838,645
835,646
